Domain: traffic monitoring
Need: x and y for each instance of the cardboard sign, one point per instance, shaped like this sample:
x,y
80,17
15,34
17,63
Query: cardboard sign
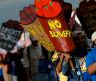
x,y
30,22
87,15
56,30
38,32
8,37
47,8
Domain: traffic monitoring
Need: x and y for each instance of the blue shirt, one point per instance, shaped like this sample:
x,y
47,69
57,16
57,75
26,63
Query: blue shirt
x,y
1,72
90,59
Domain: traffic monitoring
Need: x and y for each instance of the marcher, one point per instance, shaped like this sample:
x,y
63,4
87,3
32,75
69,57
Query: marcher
x,y
15,65
46,65
66,66
91,61
78,65
79,53
35,53
14,58
26,57
3,70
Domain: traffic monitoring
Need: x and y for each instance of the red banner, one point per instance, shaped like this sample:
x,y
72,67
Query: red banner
x,y
56,30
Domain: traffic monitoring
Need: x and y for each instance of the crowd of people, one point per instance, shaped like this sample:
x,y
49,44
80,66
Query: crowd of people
x,y
30,61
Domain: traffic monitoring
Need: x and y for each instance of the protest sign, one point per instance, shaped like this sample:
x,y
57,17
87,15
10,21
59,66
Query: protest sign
x,y
31,23
9,35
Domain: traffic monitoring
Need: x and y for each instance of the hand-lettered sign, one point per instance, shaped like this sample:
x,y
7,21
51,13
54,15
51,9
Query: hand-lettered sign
x,y
30,22
36,30
56,30
9,34
87,15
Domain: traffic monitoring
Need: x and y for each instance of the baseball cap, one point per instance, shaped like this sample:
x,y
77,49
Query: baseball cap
x,y
93,36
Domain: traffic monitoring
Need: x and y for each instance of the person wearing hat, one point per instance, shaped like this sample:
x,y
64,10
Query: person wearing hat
x,y
91,61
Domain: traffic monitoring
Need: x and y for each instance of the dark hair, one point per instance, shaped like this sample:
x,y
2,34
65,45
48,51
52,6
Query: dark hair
x,y
1,57
2,60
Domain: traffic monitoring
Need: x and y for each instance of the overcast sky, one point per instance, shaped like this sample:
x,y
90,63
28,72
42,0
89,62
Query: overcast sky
x,y
9,9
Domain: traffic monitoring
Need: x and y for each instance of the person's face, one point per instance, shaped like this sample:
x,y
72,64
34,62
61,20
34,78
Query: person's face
x,y
81,40
67,56
35,43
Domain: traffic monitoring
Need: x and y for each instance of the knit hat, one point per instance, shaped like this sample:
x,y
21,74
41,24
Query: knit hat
x,y
93,36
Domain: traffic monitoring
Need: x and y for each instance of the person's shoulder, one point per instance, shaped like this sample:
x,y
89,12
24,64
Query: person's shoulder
x,y
93,51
